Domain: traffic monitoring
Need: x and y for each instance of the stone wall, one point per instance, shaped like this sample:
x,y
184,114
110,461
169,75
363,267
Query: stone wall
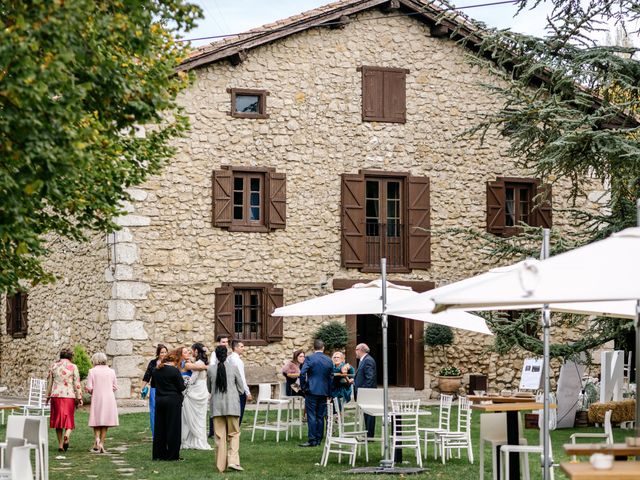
x,y
314,133
68,312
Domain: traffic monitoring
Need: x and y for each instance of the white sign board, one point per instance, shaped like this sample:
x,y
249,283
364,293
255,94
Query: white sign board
x,y
531,374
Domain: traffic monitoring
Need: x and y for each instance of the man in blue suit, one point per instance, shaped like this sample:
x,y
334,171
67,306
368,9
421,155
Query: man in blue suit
x,y
315,381
366,377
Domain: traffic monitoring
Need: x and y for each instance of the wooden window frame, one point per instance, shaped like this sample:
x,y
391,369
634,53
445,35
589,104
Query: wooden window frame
x,y
415,212
262,102
16,306
386,115
246,224
496,207
266,320
272,199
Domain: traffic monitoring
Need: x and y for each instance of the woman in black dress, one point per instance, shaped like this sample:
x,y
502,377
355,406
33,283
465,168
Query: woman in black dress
x,y
168,425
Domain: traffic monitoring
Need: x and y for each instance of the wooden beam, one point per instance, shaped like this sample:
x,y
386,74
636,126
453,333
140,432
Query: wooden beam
x,y
439,31
238,57
340,23
391,6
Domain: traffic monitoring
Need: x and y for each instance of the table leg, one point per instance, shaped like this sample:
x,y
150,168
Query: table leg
x,y
513,438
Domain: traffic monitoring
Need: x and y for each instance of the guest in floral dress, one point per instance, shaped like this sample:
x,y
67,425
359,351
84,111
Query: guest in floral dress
x,y
64,392
101,384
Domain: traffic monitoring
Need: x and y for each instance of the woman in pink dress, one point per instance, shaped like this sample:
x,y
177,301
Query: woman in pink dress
x,y
64,392
101,384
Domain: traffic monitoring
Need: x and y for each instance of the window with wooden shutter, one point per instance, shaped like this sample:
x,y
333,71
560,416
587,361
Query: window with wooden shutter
x,y
384,94
243,311
419,223
513,202
353,227
385,215
17,314
249,199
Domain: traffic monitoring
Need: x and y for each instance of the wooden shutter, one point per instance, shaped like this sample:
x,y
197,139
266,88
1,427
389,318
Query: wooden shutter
x,y
416,348
495,207
372,94
395,101
274,328
543,209
419,222
222,192
353,234
224,311
9,313
277,200
24,316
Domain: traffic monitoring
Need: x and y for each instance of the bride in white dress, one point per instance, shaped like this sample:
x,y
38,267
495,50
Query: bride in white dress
x,y
195,403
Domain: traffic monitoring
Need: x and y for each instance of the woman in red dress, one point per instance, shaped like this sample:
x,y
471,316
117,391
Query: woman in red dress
x,y
64,393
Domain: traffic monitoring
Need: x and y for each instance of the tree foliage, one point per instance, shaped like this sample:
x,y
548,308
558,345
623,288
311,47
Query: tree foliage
x,y
333,334
436,335
82,361
568,107
87,109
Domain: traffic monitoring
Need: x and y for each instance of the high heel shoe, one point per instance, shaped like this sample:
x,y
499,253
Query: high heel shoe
x,y
65,443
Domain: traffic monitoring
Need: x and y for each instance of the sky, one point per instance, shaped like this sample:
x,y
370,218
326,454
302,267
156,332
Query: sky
x,y
236,16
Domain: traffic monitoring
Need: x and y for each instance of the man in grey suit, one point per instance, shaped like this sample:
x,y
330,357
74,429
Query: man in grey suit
x,y
366,377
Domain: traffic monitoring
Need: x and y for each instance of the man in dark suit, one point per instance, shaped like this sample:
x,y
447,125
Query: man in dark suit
x,y
315,381
366,377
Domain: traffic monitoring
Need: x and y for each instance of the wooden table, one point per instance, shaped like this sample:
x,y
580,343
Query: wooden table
x,y
615,449
7,407
513,434
584,471
500,399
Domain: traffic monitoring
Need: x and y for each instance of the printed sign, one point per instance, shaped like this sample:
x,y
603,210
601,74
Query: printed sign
x,y
531,374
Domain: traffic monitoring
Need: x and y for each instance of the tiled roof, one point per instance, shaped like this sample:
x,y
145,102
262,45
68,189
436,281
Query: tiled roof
x,y
436,11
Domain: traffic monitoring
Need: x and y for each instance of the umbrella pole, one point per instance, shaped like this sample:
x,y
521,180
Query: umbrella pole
x,y
386,459
546,324
637,352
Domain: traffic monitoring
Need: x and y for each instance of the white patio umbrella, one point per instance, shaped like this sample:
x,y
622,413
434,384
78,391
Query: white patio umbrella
x,y
371,299
604,272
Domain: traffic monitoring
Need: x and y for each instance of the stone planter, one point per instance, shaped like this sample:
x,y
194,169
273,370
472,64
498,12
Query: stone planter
x,y
449,384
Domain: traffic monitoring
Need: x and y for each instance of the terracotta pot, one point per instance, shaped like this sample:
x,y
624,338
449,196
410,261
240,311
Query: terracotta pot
x,y
449,384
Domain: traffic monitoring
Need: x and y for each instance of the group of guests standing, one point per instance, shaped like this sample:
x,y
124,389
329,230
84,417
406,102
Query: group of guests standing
x,y
319,378
182,384
64,394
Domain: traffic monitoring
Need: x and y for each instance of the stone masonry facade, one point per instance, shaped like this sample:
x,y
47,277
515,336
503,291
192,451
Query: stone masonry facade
x,y
154,280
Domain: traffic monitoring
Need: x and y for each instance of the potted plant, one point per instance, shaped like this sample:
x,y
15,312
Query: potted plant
x,y
449,377
334,336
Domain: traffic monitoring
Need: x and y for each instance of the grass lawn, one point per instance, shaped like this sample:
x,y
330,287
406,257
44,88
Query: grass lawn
x,y
130,456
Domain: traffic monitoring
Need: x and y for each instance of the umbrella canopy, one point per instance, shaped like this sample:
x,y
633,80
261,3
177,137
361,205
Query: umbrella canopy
x,y
599,272
366,299
361,299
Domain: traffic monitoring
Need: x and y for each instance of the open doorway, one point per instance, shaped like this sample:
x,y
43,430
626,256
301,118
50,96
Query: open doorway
x,y
405,352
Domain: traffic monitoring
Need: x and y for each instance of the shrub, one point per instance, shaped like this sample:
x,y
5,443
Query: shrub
x,y
450,372
436,335
82,361
333,334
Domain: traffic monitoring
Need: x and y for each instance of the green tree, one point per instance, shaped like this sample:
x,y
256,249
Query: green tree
x,y
333,334
87,109
568,108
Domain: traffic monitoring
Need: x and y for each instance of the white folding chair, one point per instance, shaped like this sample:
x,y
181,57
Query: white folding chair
x,y
460,438
405,433
280,405
444,424
493,429
607,435
36,401
337,444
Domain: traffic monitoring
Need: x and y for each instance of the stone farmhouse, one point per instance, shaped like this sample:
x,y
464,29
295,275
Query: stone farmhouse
x,y
319,144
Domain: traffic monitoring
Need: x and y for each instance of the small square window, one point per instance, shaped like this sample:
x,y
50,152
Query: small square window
x,y
246,103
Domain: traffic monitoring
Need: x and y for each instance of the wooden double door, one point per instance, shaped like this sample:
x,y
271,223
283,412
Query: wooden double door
x,y
405,347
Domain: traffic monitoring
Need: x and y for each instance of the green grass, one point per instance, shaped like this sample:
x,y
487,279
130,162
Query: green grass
x,y
130,454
